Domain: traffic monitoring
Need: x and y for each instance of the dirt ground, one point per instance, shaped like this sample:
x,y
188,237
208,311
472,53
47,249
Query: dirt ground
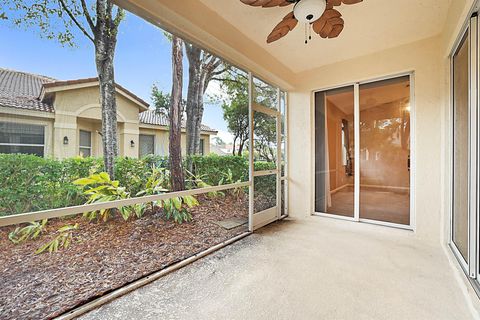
x,y
104,256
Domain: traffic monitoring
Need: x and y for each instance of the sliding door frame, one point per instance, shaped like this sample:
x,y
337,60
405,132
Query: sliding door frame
x,y
356,86
470,266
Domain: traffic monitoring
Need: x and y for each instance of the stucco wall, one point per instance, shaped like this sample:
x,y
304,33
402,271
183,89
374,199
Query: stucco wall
x,y
161,140
32,117
80,109
426,62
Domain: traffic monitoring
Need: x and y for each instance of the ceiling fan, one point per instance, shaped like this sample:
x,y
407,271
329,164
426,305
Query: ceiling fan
x,y
318,15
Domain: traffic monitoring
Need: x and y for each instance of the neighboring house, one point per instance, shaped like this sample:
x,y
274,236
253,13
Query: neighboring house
x,y
43,116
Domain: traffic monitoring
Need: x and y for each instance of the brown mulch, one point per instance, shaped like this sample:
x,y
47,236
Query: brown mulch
x,y
104,256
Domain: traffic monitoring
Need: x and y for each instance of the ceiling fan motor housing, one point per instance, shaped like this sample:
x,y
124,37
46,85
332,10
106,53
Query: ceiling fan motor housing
x,y
309,11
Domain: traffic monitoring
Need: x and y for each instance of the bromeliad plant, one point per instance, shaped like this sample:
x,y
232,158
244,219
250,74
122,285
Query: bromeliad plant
x,y
100,188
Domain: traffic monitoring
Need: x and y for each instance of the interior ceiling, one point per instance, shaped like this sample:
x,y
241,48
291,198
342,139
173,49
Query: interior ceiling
x,y
370,26
370,96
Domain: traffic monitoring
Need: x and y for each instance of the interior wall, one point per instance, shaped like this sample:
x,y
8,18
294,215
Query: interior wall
x,y
338,177
383,164
428,110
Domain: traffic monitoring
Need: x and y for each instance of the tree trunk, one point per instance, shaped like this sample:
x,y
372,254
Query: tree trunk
x,y
105,42
175,147
202,66
194,72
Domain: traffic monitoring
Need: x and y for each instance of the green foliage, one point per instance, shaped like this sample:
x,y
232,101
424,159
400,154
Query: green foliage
x,y
29,232
161,101
29,183
62,240
177,208
100,188
235,108
131,173
62,21
211,168
157,183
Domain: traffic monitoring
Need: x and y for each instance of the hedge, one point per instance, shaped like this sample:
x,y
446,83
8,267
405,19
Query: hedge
x,y
30,183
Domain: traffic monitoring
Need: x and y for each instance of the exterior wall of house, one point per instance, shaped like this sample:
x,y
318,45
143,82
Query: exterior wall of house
x,y
79,109
32,117
161,139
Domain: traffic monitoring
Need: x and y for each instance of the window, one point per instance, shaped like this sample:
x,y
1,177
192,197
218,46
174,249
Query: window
x,y
202,147
85,143
22,138
147,145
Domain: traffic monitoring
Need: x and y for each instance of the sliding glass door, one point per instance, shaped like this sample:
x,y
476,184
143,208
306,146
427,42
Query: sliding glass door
x,y
464,233
385,151
363,152
460,170
334,152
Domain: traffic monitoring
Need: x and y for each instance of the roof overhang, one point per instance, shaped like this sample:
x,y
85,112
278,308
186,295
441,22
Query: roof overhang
x,y
165,128
50,88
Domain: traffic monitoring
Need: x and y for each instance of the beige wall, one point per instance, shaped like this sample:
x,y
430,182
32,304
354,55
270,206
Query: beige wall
x,y
79,109
32,117
338,177
428,112
161,139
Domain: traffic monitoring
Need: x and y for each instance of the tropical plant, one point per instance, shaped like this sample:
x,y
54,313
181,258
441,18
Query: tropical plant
x,y
100,188
30,232
198,182
176,208
62,240
229,179
157,183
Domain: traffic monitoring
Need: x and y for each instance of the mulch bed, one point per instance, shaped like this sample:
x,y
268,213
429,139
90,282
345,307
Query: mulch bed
x,y
104,256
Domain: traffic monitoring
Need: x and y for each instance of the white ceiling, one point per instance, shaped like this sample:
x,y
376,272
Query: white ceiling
x,y
370,26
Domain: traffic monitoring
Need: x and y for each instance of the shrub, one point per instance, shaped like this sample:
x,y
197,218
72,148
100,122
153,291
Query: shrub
x,y
213,167
30,183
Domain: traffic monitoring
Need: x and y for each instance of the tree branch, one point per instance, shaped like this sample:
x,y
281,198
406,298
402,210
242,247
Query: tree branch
x,y
75,21
87,15
118,17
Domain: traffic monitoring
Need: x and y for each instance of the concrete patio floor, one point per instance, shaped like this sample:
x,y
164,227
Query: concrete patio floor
x,y
317,268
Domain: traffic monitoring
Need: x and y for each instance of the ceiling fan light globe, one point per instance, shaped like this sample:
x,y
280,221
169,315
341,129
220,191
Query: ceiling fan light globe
x,y
309,11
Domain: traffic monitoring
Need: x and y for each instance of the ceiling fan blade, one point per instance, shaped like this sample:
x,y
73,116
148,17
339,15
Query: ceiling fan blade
x,y
336,3
267,3
330,24
288,23
351,1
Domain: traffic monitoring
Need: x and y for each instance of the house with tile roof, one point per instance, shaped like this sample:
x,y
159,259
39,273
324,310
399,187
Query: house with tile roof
x,y
61,119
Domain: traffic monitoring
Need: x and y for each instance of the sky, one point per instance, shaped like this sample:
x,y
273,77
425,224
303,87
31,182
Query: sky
x,y
143,58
